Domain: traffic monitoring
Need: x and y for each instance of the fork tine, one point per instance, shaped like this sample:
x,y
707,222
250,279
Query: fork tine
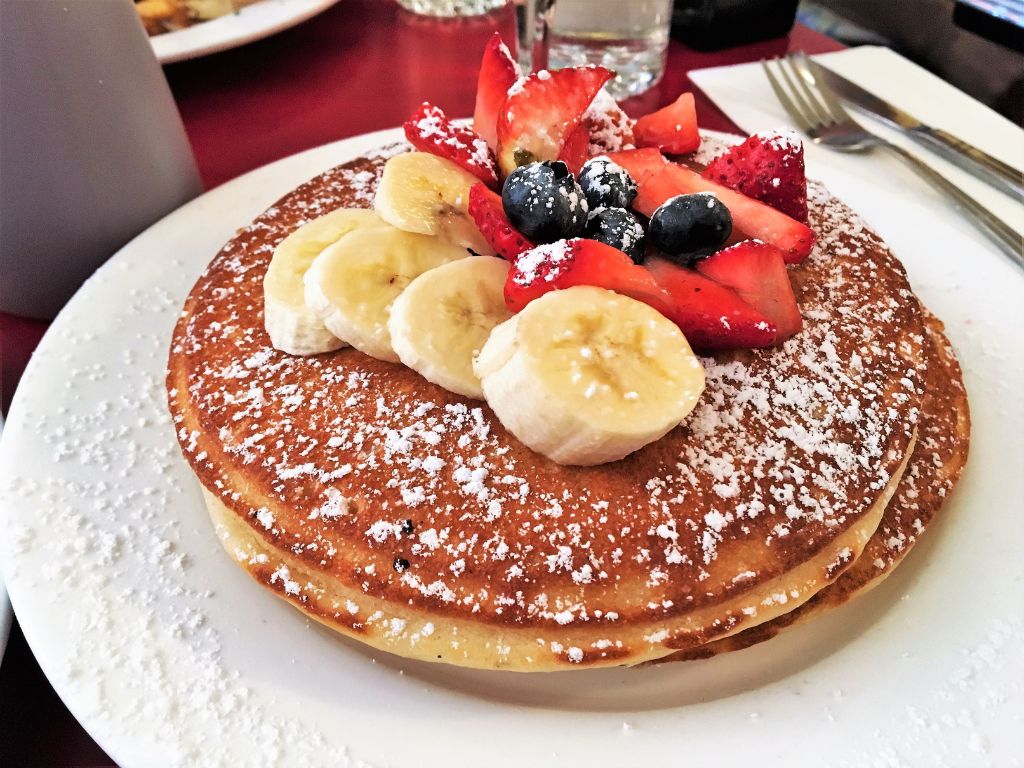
x,y
794,112
805,69
803,92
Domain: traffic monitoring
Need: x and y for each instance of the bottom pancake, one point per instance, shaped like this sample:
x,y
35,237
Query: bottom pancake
x,y
935,465
402,629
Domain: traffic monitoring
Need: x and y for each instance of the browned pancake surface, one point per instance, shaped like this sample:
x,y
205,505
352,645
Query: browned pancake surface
x,y
359,467
936,462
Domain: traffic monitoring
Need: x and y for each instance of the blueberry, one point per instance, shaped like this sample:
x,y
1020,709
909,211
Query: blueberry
x,y
689,227
544,202
607,184
618,228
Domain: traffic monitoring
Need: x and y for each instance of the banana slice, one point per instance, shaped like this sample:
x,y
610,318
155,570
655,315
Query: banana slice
x,y
427,194
586,376
292,326
352,283
444,317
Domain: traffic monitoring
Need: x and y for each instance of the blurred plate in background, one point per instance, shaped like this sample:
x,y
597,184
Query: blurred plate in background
x,y
253,22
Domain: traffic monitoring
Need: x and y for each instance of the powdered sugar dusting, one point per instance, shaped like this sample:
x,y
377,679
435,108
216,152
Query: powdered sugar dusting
x,y
770,455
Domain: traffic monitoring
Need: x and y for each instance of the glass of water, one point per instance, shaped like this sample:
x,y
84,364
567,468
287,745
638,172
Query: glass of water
x,y
628,36
452,8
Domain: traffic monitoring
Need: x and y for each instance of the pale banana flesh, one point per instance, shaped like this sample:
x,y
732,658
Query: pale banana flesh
x,y
352,284
292,325
586,376
429,195
443,318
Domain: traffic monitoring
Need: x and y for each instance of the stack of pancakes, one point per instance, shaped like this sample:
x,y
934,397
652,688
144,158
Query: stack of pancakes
x,y
406,517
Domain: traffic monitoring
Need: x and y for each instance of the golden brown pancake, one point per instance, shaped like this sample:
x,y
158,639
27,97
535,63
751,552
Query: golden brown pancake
x,y
406,517
938,458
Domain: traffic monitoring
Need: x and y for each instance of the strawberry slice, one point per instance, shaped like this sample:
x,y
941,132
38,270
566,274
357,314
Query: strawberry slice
x,y
757,272
487,211
566,263
498,71
542,110
711,316
768,167
429,130
576,150
659,180
645,166
672,128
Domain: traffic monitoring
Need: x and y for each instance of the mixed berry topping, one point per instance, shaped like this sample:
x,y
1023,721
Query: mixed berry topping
x,y
606,184
689,227
579,205
429,130
768,167
487,211
618,228
672,129
544,202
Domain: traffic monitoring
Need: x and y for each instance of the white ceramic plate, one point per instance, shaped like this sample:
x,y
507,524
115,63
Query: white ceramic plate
x,y
253,22
5,620
5,604
169,654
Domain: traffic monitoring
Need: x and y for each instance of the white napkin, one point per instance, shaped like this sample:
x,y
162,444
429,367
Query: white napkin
x,y
874,183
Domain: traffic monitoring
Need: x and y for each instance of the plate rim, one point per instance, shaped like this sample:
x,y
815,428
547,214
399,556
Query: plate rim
x,y
202,39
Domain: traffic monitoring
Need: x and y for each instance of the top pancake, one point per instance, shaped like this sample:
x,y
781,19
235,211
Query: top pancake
x,y
938,458
326,458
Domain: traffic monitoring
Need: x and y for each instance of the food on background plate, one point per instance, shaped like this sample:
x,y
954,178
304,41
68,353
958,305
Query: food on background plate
x,y
160,16
588,403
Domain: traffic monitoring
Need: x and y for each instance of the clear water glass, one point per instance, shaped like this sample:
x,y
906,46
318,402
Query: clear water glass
x,y
452,8
628,36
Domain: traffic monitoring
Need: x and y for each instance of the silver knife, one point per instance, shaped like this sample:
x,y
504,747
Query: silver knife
x,y
1004,177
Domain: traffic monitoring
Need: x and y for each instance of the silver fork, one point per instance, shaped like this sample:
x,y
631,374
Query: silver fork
x,y
817,112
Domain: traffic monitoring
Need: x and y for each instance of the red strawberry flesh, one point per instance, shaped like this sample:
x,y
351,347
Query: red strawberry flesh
x,y
757,272
487,211
768,167
711,316
659,180
498,71
672,128
429,130
575,151
542,110
566,263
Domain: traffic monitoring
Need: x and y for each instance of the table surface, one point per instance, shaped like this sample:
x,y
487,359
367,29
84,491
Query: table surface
x,y
361,66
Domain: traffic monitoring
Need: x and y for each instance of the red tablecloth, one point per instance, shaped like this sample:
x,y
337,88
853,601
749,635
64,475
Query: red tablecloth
x,y
361,66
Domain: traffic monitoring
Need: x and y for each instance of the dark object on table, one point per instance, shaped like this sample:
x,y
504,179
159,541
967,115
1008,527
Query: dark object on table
x,y
710,25
925,32
1001,21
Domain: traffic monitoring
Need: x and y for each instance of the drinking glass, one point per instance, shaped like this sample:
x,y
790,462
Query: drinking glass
x,y
627,36
451,8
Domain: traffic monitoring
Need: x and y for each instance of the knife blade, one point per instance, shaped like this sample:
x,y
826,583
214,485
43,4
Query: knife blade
x,y
995,172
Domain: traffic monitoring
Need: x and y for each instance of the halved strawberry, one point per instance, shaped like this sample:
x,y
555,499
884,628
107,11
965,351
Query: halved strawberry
x,y
542,110
711,316
487,211
672,128
757,272
659,180
768,167
498,71
609,127
429,130
575,152
566,263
